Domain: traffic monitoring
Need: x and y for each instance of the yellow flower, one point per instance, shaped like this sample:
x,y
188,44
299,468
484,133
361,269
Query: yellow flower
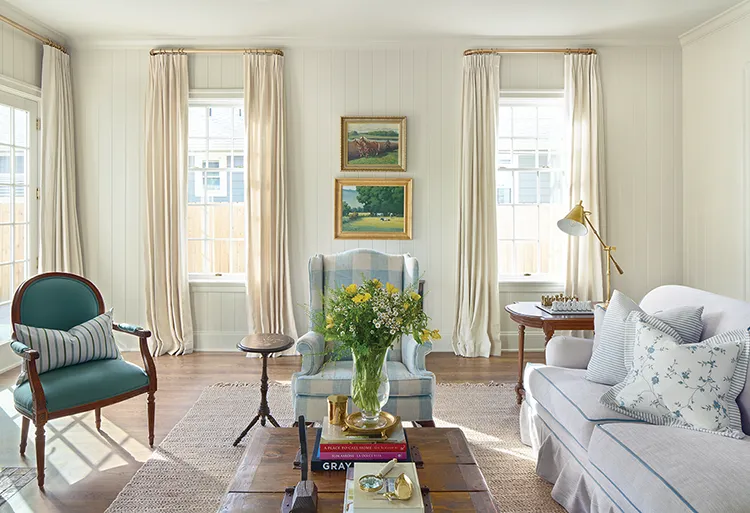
x,y
426,334
351,289
358,298
377,283
367,296
415,296
329,322
435,335
406,306
390,288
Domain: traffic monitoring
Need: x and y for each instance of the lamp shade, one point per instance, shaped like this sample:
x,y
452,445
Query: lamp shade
x,y
574,223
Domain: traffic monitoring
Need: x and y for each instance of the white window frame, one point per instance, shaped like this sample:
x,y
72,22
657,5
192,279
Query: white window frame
x,y
31,103
531,98
208,98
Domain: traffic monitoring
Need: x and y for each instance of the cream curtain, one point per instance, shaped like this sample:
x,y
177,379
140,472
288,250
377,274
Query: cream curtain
x,y
269,298
60,237
477,308
167,293
583,94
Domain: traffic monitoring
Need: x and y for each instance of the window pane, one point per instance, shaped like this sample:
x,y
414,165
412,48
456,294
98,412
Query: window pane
x,y
527,161
521,145
504,122
21,163
197,121
197,145
239,122
21,197
221,256
6,200
238,256
524,121
527,222
505,222
218,220
526,257
6,285
220,123
5,116
6,175
5,244
505,257
196,228
238,187
504,184
19,274
196,257
526,186
238,221
20,242
21,127
545,187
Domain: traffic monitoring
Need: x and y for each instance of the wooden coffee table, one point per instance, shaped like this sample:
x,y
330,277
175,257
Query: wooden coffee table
x,y
450,471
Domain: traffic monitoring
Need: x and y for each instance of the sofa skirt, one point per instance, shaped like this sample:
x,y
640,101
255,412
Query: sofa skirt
x,y
577,485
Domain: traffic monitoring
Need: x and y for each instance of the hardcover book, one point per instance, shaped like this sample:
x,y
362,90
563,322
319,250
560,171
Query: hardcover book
x,y
318,463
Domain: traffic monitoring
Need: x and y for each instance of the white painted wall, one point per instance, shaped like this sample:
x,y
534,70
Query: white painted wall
x,y
716,153
642,99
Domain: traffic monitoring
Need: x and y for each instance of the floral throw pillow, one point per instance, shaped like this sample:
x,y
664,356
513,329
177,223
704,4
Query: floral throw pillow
x,y
694,386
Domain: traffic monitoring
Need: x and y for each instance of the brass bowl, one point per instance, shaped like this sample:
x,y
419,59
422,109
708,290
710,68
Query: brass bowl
x,y
351,427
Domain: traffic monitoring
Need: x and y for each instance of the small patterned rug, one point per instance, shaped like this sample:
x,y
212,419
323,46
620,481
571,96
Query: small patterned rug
x,y
12,479
191,469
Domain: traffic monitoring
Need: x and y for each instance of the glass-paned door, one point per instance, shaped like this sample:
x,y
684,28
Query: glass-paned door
x,y
19,142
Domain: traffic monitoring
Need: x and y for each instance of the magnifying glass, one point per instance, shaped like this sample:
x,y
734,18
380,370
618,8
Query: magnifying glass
x,y
374,482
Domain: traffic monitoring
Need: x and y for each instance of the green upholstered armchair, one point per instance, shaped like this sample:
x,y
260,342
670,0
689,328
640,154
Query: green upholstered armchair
x,y
61,301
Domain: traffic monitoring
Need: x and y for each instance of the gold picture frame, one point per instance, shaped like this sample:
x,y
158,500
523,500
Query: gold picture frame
x,y
369,216
373,143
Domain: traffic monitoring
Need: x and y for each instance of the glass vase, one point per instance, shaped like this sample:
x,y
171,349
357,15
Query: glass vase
x,y
370,387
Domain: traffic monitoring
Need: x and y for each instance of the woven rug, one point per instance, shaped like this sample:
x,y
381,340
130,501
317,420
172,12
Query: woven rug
x,y
12,479
191,469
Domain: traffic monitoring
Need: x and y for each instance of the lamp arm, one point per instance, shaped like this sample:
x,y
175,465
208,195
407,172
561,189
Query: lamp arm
x,y
617,266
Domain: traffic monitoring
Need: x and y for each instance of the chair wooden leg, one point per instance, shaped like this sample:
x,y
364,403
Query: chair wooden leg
x,y
98,414
151,414
40,454
24,433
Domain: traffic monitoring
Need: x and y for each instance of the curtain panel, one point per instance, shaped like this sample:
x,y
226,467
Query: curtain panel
x,y
269,298
477,302
167,290
583,94
59,230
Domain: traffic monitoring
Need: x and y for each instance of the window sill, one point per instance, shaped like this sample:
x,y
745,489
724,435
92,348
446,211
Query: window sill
x,y
218,284
530,284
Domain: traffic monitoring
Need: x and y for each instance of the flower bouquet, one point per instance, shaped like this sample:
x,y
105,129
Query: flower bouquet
x,y
366,320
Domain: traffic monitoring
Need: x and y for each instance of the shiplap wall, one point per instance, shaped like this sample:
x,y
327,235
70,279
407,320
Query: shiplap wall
x,y
642,100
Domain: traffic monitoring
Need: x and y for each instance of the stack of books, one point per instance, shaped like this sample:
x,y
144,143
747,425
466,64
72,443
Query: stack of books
x,y
335,450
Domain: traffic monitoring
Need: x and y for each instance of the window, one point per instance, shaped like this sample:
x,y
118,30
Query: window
x,y
18,228
531,188
216,189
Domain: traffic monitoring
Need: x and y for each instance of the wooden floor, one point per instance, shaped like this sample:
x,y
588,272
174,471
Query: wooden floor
x,y
86,469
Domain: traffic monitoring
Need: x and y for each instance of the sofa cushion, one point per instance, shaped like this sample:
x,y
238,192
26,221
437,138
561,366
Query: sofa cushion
x,y
81,384
571,400
661,468
336,378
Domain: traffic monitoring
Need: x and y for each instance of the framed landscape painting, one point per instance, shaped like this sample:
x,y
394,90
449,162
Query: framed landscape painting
x,y
373,143
373,209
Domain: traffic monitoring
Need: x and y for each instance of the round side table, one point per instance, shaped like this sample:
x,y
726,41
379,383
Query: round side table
x,y
263,344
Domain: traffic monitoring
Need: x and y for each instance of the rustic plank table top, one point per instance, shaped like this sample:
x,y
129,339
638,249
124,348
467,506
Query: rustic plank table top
x,y
450,471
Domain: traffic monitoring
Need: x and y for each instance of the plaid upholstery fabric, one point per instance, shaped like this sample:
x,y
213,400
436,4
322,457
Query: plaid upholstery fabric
x,y
336,378
315,408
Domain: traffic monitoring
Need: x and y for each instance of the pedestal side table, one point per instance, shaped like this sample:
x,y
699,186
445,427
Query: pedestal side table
x,y
263,344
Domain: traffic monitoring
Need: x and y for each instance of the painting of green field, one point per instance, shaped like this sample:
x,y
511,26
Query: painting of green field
x,y
374,224
372,143
372,208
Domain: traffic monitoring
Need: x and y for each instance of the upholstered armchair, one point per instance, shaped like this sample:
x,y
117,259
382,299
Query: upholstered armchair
x,y
61,301
412,390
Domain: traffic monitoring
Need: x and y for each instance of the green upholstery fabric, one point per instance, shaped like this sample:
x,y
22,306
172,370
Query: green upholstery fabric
x,y
58,303
81,384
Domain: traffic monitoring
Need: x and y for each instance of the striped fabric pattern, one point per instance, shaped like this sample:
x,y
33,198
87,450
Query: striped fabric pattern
x,y
92,340
608,362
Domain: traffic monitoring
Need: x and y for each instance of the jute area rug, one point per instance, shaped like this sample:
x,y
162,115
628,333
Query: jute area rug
x,y
191,469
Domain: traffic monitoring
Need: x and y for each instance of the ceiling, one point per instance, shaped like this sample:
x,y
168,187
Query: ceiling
x,y
214,21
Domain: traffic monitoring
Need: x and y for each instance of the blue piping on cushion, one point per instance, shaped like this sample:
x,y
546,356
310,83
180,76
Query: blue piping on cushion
x,y
583,467
613,437
580,410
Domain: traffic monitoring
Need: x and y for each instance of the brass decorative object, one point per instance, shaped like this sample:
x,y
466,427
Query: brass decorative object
x,y
337,405
351,428
374,482
575,224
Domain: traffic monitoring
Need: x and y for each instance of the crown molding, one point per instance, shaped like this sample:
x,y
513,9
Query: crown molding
x,y
32,23
717,23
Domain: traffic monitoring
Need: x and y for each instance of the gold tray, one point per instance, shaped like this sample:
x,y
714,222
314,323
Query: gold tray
x,y
351,429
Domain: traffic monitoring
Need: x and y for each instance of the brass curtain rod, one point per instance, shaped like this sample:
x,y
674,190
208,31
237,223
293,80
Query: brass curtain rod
x,y
183,51
478,51
45,40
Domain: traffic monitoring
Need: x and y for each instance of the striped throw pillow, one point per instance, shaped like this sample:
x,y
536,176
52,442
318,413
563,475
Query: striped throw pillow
x,y
92,340
609,364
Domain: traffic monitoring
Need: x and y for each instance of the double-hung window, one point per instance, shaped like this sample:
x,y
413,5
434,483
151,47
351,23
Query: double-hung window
x,y
531,188
216,189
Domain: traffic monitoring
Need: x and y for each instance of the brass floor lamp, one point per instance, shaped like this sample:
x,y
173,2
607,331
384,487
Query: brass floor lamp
x,y
575,224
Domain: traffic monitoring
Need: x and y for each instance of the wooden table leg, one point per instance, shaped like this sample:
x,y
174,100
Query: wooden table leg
x,y
519,385
549,332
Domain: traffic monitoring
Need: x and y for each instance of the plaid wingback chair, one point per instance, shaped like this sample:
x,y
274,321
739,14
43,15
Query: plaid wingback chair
x,y
412,387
